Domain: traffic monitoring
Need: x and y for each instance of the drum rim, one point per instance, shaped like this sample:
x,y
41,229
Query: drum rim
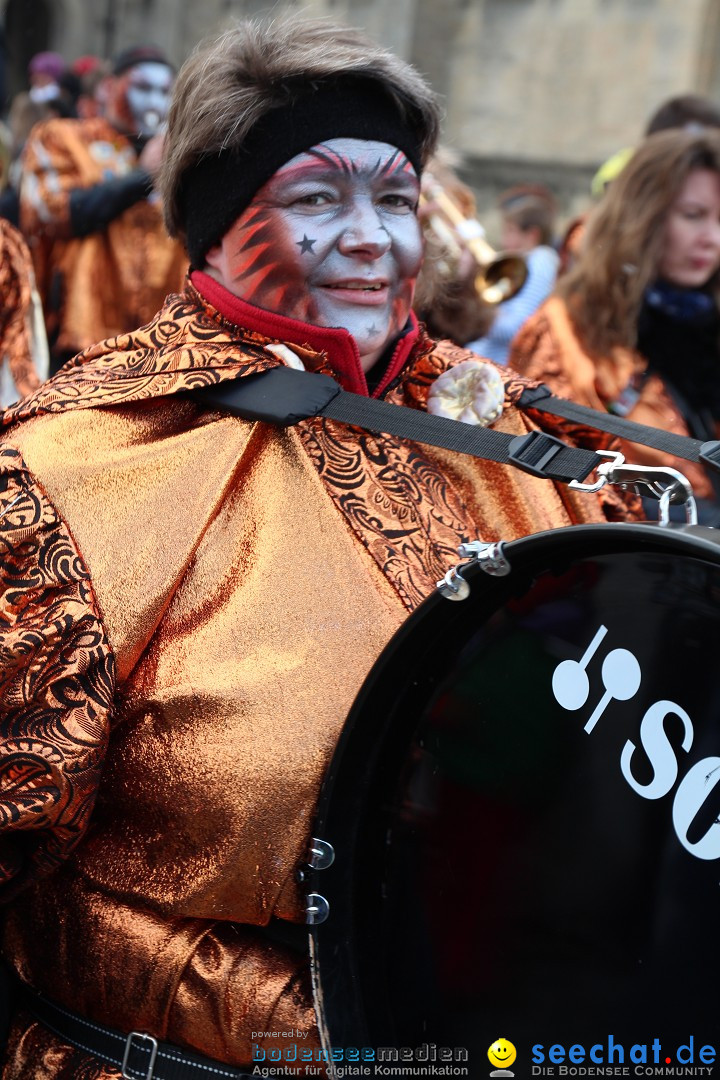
x,y
629,536
581,541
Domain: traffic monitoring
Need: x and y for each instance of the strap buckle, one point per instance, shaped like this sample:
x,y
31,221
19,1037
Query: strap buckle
x,y
126,1056
534,452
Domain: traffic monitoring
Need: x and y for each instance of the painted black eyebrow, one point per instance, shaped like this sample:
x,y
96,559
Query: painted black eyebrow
x,y
396,164
393,167
331,158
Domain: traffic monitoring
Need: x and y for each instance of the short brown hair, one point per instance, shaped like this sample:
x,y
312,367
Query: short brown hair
x,y
230,82
684,111
529,206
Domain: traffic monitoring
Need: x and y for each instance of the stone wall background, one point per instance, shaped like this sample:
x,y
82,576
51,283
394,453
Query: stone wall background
x,y
535,90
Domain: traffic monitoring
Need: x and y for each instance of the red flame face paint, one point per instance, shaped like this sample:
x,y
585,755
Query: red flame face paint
x,y
331,239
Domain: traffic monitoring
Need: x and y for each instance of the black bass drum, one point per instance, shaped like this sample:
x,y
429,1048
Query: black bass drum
x,y
525,812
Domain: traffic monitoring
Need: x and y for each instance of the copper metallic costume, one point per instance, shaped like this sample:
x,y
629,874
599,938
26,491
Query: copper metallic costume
x,y
547,349
23,348
191,602
104,282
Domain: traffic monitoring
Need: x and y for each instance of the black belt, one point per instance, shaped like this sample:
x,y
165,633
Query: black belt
x,y
138,1055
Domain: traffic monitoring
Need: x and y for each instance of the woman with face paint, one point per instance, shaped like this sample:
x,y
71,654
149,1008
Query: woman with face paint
x,y
203,594
103,259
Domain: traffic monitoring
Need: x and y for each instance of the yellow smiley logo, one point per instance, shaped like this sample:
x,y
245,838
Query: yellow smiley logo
x,y
502,1053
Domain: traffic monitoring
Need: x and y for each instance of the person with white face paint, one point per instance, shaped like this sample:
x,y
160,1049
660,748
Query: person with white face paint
x,y
88,206
345,247
149,85
215,589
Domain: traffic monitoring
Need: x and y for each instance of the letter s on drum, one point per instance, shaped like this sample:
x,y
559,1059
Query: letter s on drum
x,y
694,789
659,750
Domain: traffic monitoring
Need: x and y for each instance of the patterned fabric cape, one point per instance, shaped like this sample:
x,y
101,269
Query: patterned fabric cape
x,y
189,604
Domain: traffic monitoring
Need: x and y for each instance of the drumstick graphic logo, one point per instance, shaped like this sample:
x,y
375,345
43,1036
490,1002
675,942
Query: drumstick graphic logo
x,y
620,675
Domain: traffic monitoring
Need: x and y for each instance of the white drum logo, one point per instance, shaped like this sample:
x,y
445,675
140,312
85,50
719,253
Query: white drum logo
x,y
621,678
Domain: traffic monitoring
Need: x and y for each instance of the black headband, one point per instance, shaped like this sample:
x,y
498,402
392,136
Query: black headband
x,y
215,192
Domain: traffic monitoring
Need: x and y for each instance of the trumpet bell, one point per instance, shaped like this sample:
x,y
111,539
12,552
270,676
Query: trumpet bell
x,y
500,274
501,278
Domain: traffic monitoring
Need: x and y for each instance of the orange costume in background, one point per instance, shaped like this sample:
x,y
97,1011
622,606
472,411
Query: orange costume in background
x,y
191,602
96,280
23,347
547,349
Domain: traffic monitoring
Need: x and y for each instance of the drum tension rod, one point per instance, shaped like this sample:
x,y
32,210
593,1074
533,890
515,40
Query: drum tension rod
x,y
664,484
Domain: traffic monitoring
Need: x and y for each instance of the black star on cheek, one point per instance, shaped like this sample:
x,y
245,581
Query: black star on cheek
x,y
373,330
305,244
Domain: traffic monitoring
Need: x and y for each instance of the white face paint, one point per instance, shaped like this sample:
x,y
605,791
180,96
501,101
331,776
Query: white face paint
x,y
149,86
331,239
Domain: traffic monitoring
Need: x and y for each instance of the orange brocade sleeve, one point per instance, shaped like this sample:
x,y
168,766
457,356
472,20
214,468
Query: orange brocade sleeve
x,y
56,683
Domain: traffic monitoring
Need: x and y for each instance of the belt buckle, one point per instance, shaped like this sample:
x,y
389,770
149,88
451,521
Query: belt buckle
x,y
153,1055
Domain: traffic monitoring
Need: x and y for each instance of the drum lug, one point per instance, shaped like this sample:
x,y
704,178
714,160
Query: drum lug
x,y
454,586
316,910
491,558
321,854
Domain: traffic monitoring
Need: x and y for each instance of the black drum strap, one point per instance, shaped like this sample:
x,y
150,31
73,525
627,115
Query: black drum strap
x,y
542,399
285,396
536,453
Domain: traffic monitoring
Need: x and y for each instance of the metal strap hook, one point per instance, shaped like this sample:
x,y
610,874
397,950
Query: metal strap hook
x,y
657,482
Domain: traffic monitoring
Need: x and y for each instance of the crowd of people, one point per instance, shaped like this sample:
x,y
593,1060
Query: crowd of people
x,y
192,597
85,150
82,152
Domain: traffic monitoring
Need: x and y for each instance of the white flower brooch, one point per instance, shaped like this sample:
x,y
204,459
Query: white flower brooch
x,y
471,391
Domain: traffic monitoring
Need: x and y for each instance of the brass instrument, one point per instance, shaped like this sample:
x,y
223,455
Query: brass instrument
x,y
501,274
